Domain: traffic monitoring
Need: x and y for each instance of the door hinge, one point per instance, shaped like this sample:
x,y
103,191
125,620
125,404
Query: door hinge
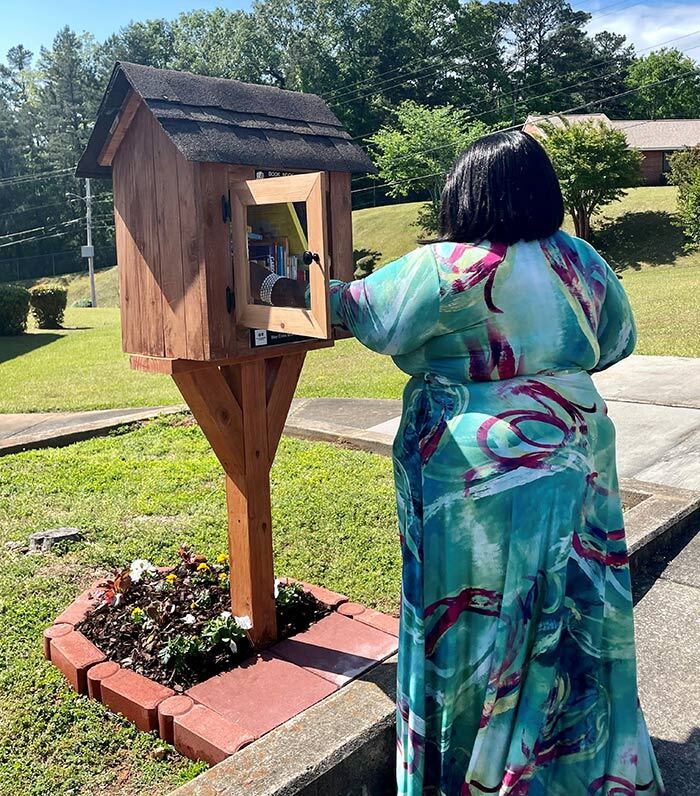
x,y
225,208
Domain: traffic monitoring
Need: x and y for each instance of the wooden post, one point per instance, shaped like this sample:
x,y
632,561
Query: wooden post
x,y
242,409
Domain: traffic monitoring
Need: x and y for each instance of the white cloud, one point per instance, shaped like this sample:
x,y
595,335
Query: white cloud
x,y
652,24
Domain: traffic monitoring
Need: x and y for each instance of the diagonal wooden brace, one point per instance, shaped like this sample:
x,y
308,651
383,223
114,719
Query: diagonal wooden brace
x,y
242,409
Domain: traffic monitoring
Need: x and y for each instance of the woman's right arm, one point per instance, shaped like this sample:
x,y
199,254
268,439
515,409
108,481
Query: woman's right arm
x,y
396,308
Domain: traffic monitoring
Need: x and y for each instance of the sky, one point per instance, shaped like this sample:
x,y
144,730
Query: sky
x,y
35,22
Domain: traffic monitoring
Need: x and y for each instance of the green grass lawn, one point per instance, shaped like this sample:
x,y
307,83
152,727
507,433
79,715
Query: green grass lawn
x,y
82,367
140,494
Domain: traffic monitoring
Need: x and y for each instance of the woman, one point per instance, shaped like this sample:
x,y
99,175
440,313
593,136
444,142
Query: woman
x,y
516,666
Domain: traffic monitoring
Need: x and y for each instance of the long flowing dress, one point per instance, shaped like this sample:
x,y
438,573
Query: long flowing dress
x,y
516,670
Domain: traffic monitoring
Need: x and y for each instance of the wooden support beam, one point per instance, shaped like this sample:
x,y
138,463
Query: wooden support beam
x,y
249,514
280,397
242,410
218,413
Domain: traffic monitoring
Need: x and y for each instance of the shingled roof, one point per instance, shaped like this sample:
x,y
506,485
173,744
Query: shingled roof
x,y
644,134
214,120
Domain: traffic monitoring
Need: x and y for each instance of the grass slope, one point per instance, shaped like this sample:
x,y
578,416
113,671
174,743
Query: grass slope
x,y
140,494
82,367
106,286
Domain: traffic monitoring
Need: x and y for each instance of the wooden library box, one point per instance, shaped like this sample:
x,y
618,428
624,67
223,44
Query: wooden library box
x,y
211,176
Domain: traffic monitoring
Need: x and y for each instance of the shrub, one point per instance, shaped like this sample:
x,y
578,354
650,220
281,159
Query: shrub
x,y
48,302
685,164
14,307
83,302
689,211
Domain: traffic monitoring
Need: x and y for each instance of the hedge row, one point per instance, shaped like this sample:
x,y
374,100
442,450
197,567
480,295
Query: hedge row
x,y
47,303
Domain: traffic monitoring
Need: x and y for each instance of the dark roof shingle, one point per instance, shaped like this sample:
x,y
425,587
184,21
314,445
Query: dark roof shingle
x,y
215,120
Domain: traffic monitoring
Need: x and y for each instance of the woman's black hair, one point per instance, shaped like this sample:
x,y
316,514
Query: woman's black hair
x,y
502,188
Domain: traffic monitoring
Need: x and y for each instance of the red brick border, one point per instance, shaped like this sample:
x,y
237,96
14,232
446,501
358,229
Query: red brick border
x,y
213,720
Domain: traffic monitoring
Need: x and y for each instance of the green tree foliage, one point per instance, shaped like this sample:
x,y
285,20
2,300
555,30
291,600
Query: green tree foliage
x,y
67,96
555,65
689,211
593,164
678,98
495,61
418,150
685,164
685,173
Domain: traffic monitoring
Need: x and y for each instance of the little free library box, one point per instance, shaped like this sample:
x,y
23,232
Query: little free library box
x,y
212,178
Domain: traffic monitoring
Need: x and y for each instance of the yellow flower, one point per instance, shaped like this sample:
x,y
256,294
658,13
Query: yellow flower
x,y
203,567
223,577
171,578
222,558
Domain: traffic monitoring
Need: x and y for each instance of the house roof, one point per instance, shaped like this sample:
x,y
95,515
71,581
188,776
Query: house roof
x,y
643,134
214,120
662,134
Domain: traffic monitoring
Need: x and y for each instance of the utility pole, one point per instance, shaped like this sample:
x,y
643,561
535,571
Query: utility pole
x,y
90,259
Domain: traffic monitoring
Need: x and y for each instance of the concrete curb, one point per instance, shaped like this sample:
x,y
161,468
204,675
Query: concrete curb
x,y
71,433
344,744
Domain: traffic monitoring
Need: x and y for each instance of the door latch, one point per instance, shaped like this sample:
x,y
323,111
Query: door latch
x,y
310,257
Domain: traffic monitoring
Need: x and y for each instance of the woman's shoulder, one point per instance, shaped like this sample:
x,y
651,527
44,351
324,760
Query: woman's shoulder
x,y
449,253
583,247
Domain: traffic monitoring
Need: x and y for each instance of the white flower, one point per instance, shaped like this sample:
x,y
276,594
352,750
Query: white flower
x,y
139,568
225,615
243,622
277,587
188,619
233,646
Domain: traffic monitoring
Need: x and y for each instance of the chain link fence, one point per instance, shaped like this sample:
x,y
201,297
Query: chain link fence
x,y
36,266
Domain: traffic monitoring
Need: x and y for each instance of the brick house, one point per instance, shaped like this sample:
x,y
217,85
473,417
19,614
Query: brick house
x,y
656,139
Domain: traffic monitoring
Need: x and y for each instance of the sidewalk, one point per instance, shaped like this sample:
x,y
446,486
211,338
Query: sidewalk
x,y
667,634
653,401
46,429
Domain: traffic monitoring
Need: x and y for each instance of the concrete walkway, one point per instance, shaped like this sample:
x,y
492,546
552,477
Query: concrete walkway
x,y
653,401
46,429
667,632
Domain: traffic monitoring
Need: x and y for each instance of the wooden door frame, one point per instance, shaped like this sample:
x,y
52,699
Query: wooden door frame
x,y
310,188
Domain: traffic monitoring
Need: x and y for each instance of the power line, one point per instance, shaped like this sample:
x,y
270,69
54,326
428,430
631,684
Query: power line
x,y
547,94
39,229
380,85
54,204
103,225
559,90
562,113
31,177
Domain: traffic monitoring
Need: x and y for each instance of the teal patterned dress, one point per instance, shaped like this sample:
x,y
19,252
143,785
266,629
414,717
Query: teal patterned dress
x,y
516,669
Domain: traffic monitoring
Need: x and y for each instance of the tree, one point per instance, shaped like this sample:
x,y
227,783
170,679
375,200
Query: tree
x,y
68,96
677,98
417,152
150,43
594,166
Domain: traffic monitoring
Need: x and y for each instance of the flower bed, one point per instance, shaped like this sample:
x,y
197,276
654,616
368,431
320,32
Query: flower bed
x,y
160,647
174,625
